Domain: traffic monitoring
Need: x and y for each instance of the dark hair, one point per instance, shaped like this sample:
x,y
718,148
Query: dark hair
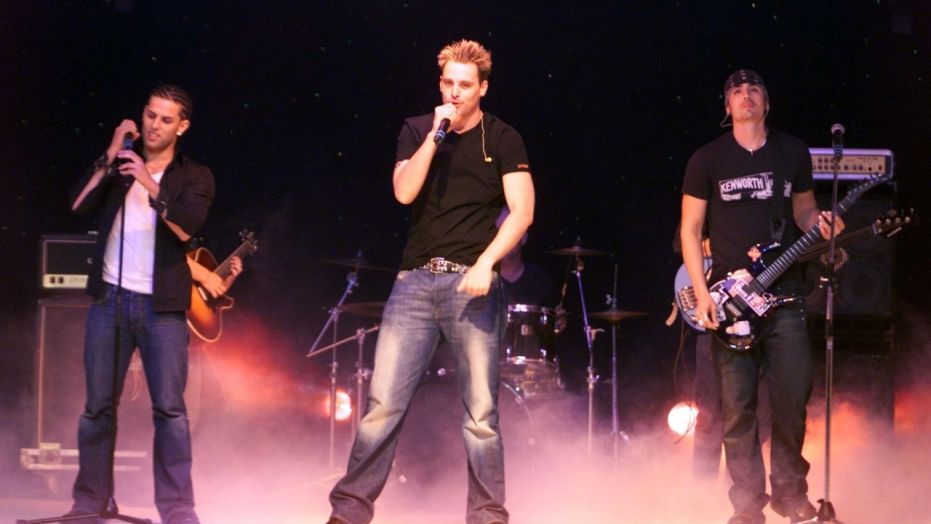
x,y
178,95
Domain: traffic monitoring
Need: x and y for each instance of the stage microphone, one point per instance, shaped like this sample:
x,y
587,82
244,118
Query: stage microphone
x,y
837,140
441,131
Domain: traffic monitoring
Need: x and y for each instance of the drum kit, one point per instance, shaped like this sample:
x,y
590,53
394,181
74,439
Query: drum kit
x,y
528,364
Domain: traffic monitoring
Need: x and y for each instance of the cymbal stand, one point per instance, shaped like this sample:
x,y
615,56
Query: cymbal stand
x,y
362,374
616,432
590,333
352,281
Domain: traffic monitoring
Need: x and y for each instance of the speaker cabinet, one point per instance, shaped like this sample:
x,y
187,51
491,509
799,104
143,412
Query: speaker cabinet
x,y
864,364
863,269
60,385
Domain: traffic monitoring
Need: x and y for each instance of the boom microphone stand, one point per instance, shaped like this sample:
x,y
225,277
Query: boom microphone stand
x,y
352,281
825,507
110,509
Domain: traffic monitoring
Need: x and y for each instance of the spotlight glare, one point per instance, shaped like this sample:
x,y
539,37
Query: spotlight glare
x,y
681,418
343,405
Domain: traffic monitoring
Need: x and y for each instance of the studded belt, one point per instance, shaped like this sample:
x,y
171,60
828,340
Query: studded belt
x,y
441,265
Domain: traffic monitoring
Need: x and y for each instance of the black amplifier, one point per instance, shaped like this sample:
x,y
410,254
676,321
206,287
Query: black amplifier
x,y
65,261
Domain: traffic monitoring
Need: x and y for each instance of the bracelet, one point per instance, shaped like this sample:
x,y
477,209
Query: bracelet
x,y
101,162
160,206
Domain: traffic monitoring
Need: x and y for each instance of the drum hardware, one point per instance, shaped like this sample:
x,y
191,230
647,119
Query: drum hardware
x,y
614,316
352,281
362,373
576,266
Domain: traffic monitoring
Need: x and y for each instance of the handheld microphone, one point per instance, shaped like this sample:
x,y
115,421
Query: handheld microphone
x,y
127,145
441,131
837,140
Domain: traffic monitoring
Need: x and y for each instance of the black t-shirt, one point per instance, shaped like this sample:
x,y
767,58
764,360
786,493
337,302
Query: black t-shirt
x,y
533,287
454,215
738,186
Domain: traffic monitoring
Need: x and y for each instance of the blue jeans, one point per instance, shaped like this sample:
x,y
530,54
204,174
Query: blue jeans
x,y
162,341
784,357
424,307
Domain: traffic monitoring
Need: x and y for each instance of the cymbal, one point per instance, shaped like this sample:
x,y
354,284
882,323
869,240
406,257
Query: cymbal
x,y
356,263
363,309
577,251
616,315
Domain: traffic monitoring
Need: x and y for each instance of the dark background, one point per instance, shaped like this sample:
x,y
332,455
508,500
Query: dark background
x,y
297,106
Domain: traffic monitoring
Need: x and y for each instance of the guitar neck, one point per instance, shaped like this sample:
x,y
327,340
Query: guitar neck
x,y
225,268
840,241
789,257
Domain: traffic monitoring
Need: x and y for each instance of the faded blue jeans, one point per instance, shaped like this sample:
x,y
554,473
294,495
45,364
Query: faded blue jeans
x,y
784,354
162,341
423,308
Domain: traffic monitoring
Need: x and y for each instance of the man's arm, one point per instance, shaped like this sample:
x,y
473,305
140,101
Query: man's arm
x,y
519,194
806,214
410,174
80,202
693,219
211,281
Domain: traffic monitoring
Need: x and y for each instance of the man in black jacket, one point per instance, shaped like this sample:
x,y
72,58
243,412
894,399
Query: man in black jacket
x,y
148,204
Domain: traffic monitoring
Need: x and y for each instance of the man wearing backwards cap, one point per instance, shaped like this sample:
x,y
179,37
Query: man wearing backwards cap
x,y
731,182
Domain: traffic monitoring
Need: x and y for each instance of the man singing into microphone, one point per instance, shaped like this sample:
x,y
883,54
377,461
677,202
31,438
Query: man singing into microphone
x,y
448,286
755,185
159,199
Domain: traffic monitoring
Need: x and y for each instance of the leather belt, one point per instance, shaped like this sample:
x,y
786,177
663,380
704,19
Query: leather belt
x,y
441,265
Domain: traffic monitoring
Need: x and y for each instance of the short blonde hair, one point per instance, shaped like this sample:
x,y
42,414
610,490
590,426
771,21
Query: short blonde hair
x,y
466,52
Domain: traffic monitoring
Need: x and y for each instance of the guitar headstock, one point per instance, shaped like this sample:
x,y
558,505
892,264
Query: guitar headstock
x,y
250,244
853,194
893,221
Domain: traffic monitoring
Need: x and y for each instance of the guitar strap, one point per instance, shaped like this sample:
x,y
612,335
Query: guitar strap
x,y
777,222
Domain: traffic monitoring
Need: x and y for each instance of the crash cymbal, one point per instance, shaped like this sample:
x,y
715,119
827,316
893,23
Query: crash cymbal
x,y
577,251
363,309
356,263
616,315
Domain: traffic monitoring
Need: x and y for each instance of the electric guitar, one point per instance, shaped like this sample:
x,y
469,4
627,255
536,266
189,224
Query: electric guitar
x,y
741,298
205,316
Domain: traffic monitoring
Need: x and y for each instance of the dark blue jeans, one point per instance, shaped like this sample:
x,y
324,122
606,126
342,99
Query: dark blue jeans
x,y
706,454
424,307
162,341
784,357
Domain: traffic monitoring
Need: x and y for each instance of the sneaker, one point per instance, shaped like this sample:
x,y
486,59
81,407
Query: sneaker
x,y
747,518
797,510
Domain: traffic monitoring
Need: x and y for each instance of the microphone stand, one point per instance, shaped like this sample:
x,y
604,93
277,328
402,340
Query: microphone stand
x,y
109,510
352,281
825,507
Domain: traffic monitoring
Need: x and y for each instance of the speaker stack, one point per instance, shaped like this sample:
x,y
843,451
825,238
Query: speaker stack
x,y
65,261
863,305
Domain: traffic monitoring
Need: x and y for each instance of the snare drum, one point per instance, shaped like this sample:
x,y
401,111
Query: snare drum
x,y
527,352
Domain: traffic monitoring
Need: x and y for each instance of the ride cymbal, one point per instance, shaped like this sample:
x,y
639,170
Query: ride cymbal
x,y
356,263
616,315
363,309
577,251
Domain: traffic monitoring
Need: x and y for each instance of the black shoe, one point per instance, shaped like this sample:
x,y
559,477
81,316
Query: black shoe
x,y
334,520
797,510
747,518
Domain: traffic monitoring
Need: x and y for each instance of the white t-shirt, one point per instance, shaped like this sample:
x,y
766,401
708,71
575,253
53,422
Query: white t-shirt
x,y
138,243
